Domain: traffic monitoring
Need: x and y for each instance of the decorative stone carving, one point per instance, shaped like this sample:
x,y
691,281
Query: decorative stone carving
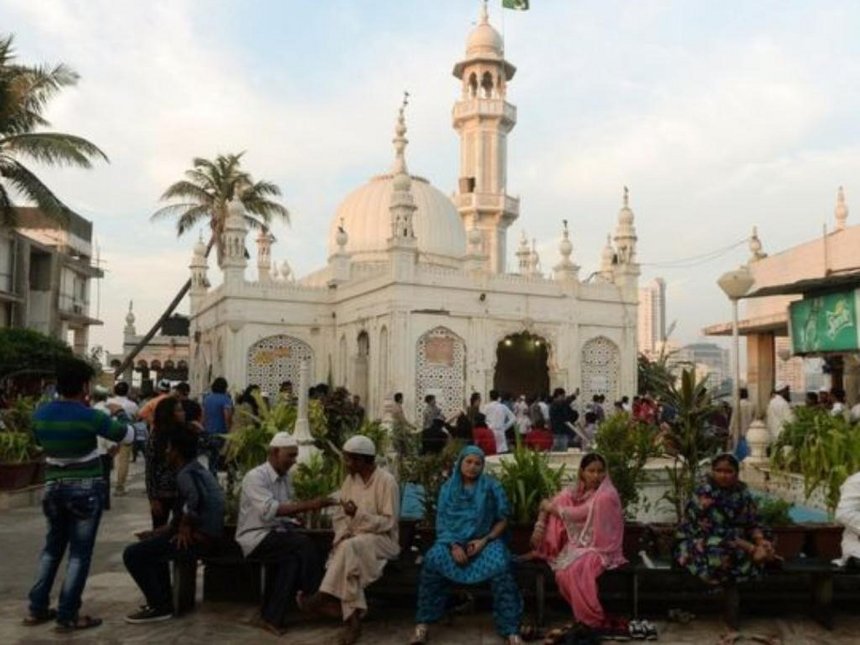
x,y
276,359
440,369
601,361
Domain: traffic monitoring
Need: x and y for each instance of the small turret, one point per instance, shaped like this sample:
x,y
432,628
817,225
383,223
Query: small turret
x,y
566,269
841,210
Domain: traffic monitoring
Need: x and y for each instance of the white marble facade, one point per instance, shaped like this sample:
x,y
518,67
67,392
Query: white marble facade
x,y
414,297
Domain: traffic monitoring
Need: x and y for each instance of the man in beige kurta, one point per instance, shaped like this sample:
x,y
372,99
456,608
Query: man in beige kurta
x,y
365,532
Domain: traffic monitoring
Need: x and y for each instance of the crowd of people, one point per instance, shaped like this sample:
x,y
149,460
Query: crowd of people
x,y
579,532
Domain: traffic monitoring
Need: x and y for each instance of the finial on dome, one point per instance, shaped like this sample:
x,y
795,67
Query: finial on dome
x,y
341,238
841,210
400,140
565,247
483,17
626,197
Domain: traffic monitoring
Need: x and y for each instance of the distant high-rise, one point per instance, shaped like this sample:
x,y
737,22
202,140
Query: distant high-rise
x,y
652,316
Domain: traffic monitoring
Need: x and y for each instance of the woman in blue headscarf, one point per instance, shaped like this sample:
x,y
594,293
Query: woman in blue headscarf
x,y
470,519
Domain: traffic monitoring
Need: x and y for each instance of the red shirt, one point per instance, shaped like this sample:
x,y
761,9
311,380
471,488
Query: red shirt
x,y
484,439
540,440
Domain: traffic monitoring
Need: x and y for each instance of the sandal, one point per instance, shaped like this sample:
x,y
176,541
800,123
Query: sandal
x,y
420,635
81,622
38,619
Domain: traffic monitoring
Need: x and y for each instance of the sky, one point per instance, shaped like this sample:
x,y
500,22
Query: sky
x,y
717,115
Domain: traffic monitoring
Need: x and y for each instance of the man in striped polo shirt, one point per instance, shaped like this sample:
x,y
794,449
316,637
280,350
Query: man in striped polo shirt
x,y
74,491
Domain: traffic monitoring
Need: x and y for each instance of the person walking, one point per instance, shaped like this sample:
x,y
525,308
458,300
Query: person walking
x,y
217,419
123,455
68,430
499,419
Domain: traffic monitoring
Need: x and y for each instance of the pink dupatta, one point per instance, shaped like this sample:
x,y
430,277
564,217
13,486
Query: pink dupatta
x,y
593,523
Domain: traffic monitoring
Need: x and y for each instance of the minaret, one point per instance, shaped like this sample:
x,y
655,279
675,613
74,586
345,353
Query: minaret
x,y
233,260
340,261
534,260
199,281
264,255
129,329
483,118
607,260
626,268
523,255
402,245
566,270
841,210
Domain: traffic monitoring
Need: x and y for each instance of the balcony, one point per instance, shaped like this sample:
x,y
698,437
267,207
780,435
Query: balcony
x,y
485,108
75,310
488,202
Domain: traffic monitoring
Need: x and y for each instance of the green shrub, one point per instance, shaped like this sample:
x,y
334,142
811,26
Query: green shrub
x,y
527,479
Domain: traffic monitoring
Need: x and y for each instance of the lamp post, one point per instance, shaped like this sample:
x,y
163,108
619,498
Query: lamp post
x,y
735,284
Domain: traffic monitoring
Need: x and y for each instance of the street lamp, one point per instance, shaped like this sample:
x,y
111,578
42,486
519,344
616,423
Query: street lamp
x,y
735,284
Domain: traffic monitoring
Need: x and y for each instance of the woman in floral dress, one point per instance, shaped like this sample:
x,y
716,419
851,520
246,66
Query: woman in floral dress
x,y
721,539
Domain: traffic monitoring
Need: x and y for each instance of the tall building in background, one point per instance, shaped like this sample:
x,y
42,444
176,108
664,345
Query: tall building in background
x,y
652,317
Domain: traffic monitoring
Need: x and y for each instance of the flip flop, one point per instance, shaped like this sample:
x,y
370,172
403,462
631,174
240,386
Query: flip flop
x,y
82,622
32,620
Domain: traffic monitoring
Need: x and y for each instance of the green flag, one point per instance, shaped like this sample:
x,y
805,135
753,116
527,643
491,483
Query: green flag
x,y
516,5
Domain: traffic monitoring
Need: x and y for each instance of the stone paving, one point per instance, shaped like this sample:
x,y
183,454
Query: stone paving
x,y
110,594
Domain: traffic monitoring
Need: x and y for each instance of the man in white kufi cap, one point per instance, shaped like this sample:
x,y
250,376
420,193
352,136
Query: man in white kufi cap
x,y
266,530
365,538
779,410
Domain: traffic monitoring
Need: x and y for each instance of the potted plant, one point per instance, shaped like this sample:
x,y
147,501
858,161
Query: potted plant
x,y
688,439
627,444
20,461
527,478
789,538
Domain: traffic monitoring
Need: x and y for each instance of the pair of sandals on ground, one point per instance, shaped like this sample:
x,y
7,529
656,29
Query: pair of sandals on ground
x,y
62,626
616,629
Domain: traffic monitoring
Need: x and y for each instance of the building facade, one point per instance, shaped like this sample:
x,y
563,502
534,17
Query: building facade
x,y
414,297
46,277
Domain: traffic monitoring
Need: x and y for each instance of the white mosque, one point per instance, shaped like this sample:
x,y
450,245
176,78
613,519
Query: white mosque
x,y
415,297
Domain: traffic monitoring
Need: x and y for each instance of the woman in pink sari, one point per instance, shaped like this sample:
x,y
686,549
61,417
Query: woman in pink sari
x,y
579,533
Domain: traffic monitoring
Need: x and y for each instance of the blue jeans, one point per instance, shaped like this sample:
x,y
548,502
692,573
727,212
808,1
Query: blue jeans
x,y
73,510
147,562
213,445
560,442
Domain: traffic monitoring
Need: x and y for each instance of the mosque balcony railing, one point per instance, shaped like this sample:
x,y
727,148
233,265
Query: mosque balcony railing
x,y
492,107
488,201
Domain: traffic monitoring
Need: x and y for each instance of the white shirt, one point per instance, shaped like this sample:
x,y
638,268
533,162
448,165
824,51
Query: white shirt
x,y
499,419
129,407
848,515
778,414
263,491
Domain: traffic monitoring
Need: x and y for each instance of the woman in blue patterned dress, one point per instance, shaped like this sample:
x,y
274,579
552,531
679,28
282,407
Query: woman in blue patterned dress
x,y
470,520
721,539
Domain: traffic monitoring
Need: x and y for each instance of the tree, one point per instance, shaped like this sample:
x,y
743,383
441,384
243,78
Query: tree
x,y
205,193
25,350
24,93
207,189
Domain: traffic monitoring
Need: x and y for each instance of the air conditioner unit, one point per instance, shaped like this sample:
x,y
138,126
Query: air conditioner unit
x,y
78,308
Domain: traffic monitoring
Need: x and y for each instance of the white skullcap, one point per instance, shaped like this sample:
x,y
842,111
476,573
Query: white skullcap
x,y
359,445
283,440
782,385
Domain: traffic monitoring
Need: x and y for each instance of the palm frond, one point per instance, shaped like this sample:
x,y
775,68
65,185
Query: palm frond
x,y
187,190
53,148
29,185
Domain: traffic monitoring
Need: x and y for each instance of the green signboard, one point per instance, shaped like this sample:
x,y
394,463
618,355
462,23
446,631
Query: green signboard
x,y
825,323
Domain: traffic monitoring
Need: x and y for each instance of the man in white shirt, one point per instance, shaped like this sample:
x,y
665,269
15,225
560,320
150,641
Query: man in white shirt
x,y
123,457
499,419
266,531
848,515
779,411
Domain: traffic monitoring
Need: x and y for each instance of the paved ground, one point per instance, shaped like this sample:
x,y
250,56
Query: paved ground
x,y
110,594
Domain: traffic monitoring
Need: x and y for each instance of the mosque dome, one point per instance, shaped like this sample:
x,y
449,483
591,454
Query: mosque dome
x,y
484,39
365,216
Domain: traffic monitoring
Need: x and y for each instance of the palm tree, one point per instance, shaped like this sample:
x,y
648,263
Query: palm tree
x,y
24,93
205,193
206,190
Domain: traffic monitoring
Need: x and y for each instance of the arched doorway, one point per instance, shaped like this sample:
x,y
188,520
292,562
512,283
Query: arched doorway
x,y
522,365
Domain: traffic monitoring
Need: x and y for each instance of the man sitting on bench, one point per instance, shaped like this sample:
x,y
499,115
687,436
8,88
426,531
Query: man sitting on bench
x,y
195,532
365,536
267,531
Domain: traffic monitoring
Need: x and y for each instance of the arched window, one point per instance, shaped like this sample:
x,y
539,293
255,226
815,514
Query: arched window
x,y
473,85
276,359
487,85
440,369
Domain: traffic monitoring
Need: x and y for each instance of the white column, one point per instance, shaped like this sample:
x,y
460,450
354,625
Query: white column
x,y
302,431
